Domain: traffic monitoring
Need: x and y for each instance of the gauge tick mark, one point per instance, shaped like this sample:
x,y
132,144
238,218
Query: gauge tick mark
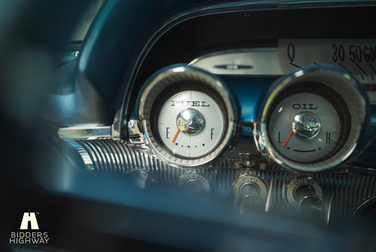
x,y
344,68
361,70
304,150
294,65
316,64
372,69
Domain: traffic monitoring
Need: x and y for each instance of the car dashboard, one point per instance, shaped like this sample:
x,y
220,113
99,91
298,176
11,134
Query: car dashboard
x,y
204,112
262,106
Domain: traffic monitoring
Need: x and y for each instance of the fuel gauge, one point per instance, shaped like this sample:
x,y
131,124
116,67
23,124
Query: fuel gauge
x,y
190,123
189,116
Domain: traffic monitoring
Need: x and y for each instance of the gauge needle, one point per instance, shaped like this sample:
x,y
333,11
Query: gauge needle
x,y
288,138
176,134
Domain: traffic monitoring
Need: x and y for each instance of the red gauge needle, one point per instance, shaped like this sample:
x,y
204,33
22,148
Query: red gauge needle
x,y
288,138
176,134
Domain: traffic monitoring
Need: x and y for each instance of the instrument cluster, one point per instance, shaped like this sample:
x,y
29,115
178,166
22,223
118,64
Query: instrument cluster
x,y
309,120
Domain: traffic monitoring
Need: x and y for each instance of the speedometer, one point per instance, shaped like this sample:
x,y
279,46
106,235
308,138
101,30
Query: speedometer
x,y
188,116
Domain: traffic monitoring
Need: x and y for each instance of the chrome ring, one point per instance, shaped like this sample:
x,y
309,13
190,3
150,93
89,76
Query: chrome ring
x,y
348,87
169,76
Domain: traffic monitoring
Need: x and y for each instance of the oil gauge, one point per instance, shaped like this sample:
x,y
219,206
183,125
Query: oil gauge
x,y
306,127
313,118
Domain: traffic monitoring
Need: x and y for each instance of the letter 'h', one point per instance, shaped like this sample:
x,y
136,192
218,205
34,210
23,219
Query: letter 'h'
x,y
29,217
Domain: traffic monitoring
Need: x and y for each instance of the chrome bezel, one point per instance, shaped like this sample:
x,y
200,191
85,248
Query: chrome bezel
x,y
363,206
168,77
295,183
247,179
190,176
341,82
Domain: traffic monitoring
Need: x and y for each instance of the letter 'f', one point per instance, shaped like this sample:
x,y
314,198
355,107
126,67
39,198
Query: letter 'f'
x,y
29,217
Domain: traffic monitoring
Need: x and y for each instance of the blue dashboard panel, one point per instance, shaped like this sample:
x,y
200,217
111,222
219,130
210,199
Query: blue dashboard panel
x,y
373,115
250,92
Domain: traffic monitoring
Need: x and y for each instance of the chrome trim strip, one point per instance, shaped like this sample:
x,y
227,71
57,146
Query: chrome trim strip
x,y
262,61
85,132
116,127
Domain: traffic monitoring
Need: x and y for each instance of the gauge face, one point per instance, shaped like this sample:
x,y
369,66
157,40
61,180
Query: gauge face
x,y
304,127
312,119
190,124
188,116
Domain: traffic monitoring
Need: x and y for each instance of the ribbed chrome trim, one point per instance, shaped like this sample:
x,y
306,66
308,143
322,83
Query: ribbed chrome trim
x,y
116,157
342,193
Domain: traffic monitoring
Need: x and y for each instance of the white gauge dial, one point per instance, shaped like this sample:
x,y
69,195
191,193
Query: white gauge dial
x,y
190,124
304,127
188,116
312,119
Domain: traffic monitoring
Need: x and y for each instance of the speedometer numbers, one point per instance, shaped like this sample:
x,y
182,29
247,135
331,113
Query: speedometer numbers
x,y
188,116
312,119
